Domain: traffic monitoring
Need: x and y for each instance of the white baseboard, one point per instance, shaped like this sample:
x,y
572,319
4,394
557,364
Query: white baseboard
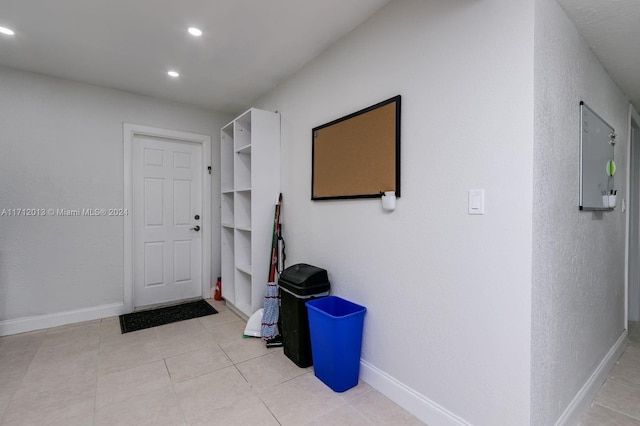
x,y
582,401
417,404
237,311
39,322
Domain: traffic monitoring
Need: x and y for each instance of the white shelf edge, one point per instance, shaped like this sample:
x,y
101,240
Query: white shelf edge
x,y
244,190
244,268
246,228
228,225
227,191
237,310
245,308
244,150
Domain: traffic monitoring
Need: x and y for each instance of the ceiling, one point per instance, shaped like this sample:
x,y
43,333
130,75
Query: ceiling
x,y
612,29
248,46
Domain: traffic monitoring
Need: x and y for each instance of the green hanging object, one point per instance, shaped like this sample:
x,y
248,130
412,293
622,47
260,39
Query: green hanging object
x,y
611,168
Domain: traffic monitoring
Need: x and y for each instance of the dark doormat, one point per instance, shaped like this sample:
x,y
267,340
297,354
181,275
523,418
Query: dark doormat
x,y
166,315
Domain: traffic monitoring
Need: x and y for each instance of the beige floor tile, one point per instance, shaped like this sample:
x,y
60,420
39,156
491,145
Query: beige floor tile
x,y
380,410
223,317
226,332
177,328
110,340
602,416
121,357
13,367
16,360
619,397
197,363
71,333
86,420
244,349
269,370
631,355
110,326
157,408
4,402
117,387
219,305
181,343
50,376
8,392
90,373
63,353
80,420
182,337
24,342
301,400
360,389
345,415
244,412
203,394
52,406
626,372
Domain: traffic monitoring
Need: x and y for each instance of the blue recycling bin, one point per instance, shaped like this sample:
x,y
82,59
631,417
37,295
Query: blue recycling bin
x,y
335,327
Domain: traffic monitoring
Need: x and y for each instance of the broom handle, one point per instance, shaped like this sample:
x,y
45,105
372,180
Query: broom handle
x,y
274,242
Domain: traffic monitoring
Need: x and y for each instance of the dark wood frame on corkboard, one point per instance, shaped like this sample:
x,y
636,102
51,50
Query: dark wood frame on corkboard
x,y
358,155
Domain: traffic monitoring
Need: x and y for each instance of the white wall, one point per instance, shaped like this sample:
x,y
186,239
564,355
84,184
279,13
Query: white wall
x,y
578,257
448,294
61,147
633,202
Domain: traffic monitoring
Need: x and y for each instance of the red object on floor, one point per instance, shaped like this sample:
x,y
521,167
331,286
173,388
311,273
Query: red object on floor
x,y
218,294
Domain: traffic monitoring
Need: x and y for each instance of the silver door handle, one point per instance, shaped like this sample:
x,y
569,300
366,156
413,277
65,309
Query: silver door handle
x,y
196,228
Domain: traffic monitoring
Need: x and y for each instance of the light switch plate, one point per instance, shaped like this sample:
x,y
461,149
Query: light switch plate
x,y
476,201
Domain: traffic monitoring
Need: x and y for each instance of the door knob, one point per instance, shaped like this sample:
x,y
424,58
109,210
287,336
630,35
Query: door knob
x,y
196,228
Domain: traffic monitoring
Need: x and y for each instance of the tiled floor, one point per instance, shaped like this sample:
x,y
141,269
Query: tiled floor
x,y
618,401
197,372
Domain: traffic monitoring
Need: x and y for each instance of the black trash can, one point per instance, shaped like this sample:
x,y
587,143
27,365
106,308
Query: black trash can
x,y
297,285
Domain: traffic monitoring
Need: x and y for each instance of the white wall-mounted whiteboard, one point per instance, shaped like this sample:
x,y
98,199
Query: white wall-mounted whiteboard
x,y
596,153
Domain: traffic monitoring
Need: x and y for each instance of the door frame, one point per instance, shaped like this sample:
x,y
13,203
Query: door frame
x,y
130,131
634,121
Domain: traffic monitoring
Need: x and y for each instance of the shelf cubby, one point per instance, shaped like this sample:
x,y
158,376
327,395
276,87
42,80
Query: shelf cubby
x,y
243,210
242,172
226,159
243,299
226,209
242,248
242,132
227,262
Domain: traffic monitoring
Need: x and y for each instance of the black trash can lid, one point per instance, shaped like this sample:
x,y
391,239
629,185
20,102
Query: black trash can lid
x,y
303,279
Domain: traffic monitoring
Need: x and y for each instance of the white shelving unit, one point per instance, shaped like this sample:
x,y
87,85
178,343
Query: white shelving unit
x,y
250,184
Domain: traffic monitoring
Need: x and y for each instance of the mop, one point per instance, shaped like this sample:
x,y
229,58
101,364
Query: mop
x,y
269,329
263,322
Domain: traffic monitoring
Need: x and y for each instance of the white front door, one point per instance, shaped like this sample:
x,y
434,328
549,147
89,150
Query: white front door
x,y
167,221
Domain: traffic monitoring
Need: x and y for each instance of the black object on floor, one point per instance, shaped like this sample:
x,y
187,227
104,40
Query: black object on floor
x,y
298,284
166,315
275,342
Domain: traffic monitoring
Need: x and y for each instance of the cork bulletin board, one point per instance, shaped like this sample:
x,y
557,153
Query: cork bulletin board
x,y
358,156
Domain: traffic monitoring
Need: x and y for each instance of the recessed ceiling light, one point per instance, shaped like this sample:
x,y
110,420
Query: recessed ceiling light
x,y
6,31
196,32
173,74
